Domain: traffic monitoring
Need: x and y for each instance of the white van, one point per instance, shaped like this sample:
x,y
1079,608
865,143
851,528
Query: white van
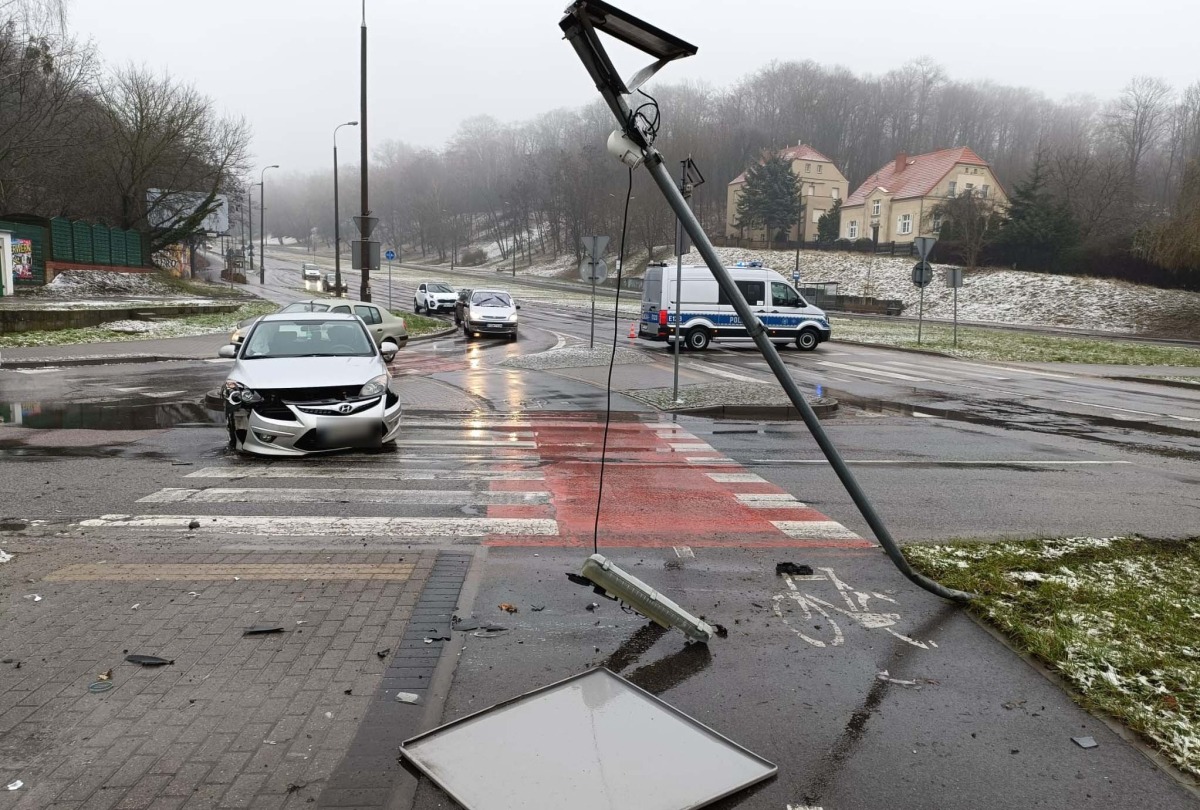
x,y
707,315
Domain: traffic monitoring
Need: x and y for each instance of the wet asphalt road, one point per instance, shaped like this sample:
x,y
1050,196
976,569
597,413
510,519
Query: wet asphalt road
x,y
978,728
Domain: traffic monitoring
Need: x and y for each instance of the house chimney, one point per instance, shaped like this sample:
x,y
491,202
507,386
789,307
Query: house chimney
x,y
901,161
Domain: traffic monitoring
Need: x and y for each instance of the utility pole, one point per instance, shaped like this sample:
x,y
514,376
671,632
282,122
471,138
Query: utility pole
x,y
365,289
337,223
250,223
262,228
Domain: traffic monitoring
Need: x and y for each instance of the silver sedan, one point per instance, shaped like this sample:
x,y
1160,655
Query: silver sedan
x,y
309,382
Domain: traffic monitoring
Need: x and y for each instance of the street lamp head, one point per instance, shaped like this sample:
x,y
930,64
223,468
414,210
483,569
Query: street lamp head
x,y
350,124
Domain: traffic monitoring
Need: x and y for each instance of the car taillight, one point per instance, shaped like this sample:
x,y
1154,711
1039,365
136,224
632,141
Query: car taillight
x,y
662,317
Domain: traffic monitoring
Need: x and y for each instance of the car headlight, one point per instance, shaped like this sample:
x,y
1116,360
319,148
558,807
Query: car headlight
x,y
512,318
238,394
375,387
236,336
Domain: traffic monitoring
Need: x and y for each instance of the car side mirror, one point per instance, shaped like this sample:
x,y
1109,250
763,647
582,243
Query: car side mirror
x,y
388,349
518,306
228,351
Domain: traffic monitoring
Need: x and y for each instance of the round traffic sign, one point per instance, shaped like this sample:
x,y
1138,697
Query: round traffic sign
x,y
593,272
922,273
390,255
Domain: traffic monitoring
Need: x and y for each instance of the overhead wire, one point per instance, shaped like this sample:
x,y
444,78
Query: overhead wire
x,y
612,360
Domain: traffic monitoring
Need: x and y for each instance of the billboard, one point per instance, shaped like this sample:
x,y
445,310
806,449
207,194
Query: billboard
x,y
22,259
166,208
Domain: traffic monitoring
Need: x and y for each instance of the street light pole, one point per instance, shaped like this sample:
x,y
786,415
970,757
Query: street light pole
x,y
364,292
799,232
262,228
337,234
250,223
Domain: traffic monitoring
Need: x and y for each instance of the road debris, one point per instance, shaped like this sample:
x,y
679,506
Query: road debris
x,y
407,697
269,742
507,608
591,608
16,784
431,639
35,597
148,660
5,556
105,676
295,786
537,608
135,606
467,625
639,596
328,715
792,569
97,687
1085,742
262,629
195,524
383,653
539,729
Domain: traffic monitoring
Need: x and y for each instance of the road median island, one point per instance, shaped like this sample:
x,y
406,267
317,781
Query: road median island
x,y
732,400
1116,618
1000,345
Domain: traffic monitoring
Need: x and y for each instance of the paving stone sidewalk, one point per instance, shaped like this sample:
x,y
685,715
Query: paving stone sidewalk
x,y
258,721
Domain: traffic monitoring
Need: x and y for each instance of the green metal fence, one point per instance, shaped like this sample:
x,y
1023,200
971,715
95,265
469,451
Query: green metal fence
x,y
37,240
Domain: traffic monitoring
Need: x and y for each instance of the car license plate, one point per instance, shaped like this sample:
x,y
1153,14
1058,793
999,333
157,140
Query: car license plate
x,y
355,434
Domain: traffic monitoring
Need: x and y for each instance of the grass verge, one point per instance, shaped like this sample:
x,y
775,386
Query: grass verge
x,y
418,325
977,343
1116,617
186,326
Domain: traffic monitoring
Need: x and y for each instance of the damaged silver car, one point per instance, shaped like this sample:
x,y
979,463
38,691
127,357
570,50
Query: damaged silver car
x,y
307,383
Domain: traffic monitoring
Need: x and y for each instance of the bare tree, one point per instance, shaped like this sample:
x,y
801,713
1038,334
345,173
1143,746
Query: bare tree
x,y
1138,118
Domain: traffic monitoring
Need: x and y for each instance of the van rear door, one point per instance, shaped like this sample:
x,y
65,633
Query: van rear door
x,y
652,303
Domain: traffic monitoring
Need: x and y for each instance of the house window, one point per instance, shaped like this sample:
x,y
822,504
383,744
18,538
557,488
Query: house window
x,y
808,168
986,189
836,193
953,188
817,214
970,186
818,168
937,224
906,223
852,229
812,190
875,208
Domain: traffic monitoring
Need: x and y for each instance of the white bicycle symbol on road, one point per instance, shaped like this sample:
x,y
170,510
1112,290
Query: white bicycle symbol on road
x,y
855,610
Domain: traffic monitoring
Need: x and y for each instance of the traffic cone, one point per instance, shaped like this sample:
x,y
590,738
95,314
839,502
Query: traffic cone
x,y
633,331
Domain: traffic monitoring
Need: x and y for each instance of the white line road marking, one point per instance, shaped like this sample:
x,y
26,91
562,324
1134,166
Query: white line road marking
x,y
441,497
331,526
941,462
925,415
497,443
923,370
877,372
32,370
770,501
131,390
737,478
1128,410
684,552
162,394
692,447
714,370
364,473
709,460
815,530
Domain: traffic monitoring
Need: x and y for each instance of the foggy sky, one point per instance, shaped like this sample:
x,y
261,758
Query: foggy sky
x,y
291,66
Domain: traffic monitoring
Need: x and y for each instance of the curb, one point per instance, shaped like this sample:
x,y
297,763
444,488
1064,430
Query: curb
x,y
825,406
449,330
93,361
908,349
1158,381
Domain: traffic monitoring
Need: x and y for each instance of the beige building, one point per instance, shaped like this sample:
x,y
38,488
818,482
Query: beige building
x,y
898,199
820,182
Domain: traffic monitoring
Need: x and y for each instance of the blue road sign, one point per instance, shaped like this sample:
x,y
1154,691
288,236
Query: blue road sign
x,y
390,255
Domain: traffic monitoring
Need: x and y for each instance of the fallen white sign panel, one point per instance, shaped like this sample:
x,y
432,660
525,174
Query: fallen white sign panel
x,y
592,742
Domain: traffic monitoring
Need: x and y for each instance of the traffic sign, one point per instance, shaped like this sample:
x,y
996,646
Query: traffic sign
x,y
922,273
365,225
594,246
390,255
593,272
924,246
954,277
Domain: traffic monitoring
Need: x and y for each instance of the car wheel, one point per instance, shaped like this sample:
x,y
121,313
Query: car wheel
x,y
232,433
807,340
466,331
416,307
512,338
697,339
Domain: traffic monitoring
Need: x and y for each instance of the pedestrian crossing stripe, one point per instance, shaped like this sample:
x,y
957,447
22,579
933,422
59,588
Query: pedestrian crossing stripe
x,y
326,526
460,497
368,473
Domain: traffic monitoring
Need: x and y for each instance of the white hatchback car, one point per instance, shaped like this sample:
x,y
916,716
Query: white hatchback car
x,y
434,296
309,382
490,312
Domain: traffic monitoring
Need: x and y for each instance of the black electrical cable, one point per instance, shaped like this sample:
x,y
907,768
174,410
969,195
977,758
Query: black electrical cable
x,y
612,360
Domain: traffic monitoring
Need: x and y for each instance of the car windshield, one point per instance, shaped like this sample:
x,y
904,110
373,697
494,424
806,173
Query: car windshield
x,y
440,288
491,299
307,338
305,306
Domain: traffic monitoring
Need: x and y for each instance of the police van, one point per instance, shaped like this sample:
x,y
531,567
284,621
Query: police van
x,y
707,315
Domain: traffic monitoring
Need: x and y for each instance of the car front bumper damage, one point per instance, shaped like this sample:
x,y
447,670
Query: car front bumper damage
x,y
317,427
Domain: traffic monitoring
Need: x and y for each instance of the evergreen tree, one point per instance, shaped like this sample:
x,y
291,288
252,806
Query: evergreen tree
x,y
769,198
1038,229
830,224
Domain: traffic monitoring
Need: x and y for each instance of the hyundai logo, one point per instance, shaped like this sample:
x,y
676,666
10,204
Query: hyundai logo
x,y
345,407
